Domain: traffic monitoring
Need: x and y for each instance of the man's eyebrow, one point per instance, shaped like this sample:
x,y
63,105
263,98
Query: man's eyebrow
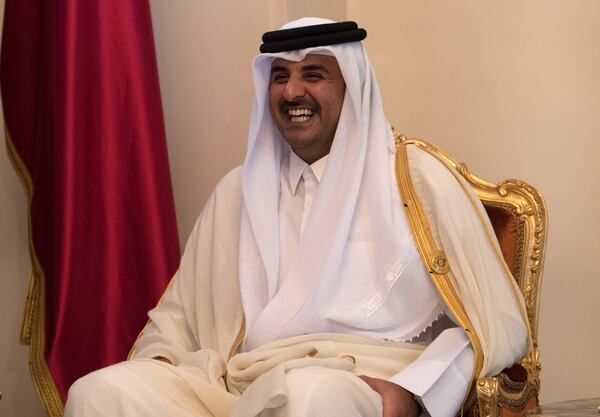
x,y
315,67
310,67
278,68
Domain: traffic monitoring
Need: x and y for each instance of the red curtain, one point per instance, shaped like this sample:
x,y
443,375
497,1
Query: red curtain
x,y
85,129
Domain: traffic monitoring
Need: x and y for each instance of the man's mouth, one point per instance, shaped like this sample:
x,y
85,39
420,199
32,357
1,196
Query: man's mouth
x,y
298,115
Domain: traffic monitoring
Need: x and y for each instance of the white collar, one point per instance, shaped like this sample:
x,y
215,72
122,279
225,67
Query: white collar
x,y
297,167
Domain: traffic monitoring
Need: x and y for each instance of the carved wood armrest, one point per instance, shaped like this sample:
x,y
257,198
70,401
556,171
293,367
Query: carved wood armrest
x,y
512,393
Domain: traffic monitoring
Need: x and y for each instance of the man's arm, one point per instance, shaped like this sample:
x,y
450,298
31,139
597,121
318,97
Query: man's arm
x,y
437,381
199,315
440,377
167,335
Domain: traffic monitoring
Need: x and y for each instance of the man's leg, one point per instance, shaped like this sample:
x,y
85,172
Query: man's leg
x,y
133,388
316,391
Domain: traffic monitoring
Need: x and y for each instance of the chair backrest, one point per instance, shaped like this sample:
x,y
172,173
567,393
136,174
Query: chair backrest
x,y
518,215
519,218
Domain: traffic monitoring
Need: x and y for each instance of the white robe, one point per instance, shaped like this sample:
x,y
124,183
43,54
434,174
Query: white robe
x,y
200,318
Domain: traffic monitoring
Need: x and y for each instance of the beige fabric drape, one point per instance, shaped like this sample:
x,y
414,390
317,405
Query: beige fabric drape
x,y
261,374
478,272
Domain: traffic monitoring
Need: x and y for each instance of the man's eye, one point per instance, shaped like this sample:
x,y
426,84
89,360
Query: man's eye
x,y
313,76
278,78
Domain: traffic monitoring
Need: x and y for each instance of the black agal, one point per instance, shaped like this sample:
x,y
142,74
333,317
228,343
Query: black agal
x,y
309,36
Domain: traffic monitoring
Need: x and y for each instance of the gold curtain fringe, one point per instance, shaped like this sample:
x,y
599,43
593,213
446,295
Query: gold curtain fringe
x,y
26,182
32,326
27,322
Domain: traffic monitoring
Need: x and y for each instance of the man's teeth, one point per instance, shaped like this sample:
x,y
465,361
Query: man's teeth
x,y
300,115
299,118
300,112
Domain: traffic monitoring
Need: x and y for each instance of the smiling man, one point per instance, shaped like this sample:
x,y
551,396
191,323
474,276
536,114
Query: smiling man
x,y
308,287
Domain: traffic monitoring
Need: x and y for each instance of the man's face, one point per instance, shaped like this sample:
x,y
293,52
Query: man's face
x,y
306,100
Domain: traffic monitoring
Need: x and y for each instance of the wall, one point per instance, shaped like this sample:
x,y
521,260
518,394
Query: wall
x,y
204,52
509,87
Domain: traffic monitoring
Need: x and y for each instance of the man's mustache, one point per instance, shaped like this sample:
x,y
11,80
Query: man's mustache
x,y
304,103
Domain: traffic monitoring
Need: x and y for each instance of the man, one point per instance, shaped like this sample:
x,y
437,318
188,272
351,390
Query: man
x,y
316,281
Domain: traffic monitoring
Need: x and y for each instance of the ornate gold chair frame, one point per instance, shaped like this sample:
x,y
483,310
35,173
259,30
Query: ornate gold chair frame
x,y
519,217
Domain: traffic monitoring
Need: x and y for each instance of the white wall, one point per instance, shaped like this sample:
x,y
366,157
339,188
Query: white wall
x,y
510,87
204,50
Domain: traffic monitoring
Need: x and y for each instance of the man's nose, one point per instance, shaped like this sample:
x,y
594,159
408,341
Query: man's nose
x,y
294,89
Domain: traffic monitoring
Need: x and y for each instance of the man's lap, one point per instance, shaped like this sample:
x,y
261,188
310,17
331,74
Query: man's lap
x,y
147,387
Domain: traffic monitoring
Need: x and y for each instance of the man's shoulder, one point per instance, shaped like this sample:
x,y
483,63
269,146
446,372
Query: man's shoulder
x,y
414,145
426,155
224,203
431,168
232,181
228,190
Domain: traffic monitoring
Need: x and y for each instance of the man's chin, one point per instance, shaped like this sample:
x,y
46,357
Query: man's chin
x,y
298,135
298,142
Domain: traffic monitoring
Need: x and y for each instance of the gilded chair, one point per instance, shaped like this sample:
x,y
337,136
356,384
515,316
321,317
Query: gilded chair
x,y
519,218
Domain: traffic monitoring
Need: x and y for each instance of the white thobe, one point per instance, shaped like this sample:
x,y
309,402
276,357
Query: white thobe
x,y
441,375
198,321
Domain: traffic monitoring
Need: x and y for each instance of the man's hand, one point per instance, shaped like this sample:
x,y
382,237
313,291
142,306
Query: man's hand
x,y
397,402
